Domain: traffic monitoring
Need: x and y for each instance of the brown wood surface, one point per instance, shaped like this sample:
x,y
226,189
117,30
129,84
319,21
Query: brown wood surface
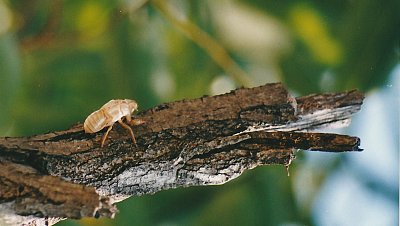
x,y
209,140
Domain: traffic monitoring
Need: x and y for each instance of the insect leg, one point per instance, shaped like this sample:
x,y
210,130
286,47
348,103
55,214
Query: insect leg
x,y
105,136
130,131
134,121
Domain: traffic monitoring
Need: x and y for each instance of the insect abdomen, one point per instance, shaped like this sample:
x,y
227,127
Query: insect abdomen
x,y
95,122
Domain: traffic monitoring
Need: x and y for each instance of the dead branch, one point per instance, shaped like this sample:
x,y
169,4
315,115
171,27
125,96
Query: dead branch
x,y
204,141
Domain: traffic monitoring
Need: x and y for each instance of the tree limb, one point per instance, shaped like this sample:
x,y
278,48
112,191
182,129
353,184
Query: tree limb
x,y
204,141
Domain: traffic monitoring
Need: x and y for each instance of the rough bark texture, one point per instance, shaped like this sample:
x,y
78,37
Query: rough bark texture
x,y
205,141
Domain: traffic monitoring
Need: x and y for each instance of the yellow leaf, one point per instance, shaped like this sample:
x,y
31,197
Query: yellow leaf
x,y
311,28
92,20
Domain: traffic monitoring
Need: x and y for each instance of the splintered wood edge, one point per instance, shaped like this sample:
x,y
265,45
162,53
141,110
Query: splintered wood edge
x,y
305,106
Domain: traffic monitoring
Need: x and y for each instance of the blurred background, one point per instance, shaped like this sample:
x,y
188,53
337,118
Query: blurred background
x,y
61,60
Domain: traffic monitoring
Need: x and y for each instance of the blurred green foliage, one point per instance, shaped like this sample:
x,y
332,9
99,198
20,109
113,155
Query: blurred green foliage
x,y
60,60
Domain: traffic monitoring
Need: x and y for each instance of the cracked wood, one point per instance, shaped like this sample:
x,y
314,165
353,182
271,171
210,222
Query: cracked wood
x,y
204,141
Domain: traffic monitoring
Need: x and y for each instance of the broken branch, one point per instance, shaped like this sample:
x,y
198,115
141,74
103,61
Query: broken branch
x,y
204,141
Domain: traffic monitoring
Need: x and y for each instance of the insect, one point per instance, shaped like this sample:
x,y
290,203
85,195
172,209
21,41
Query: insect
x,y
111,112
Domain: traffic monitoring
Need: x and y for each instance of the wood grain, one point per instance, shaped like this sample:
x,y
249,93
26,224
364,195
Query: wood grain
x,y
205,141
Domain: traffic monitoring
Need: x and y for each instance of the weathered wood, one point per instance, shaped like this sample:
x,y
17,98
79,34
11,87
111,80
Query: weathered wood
x,y
209,140
32,193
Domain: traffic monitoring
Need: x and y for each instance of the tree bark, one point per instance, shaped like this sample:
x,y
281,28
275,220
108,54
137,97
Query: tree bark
x,y
204,141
